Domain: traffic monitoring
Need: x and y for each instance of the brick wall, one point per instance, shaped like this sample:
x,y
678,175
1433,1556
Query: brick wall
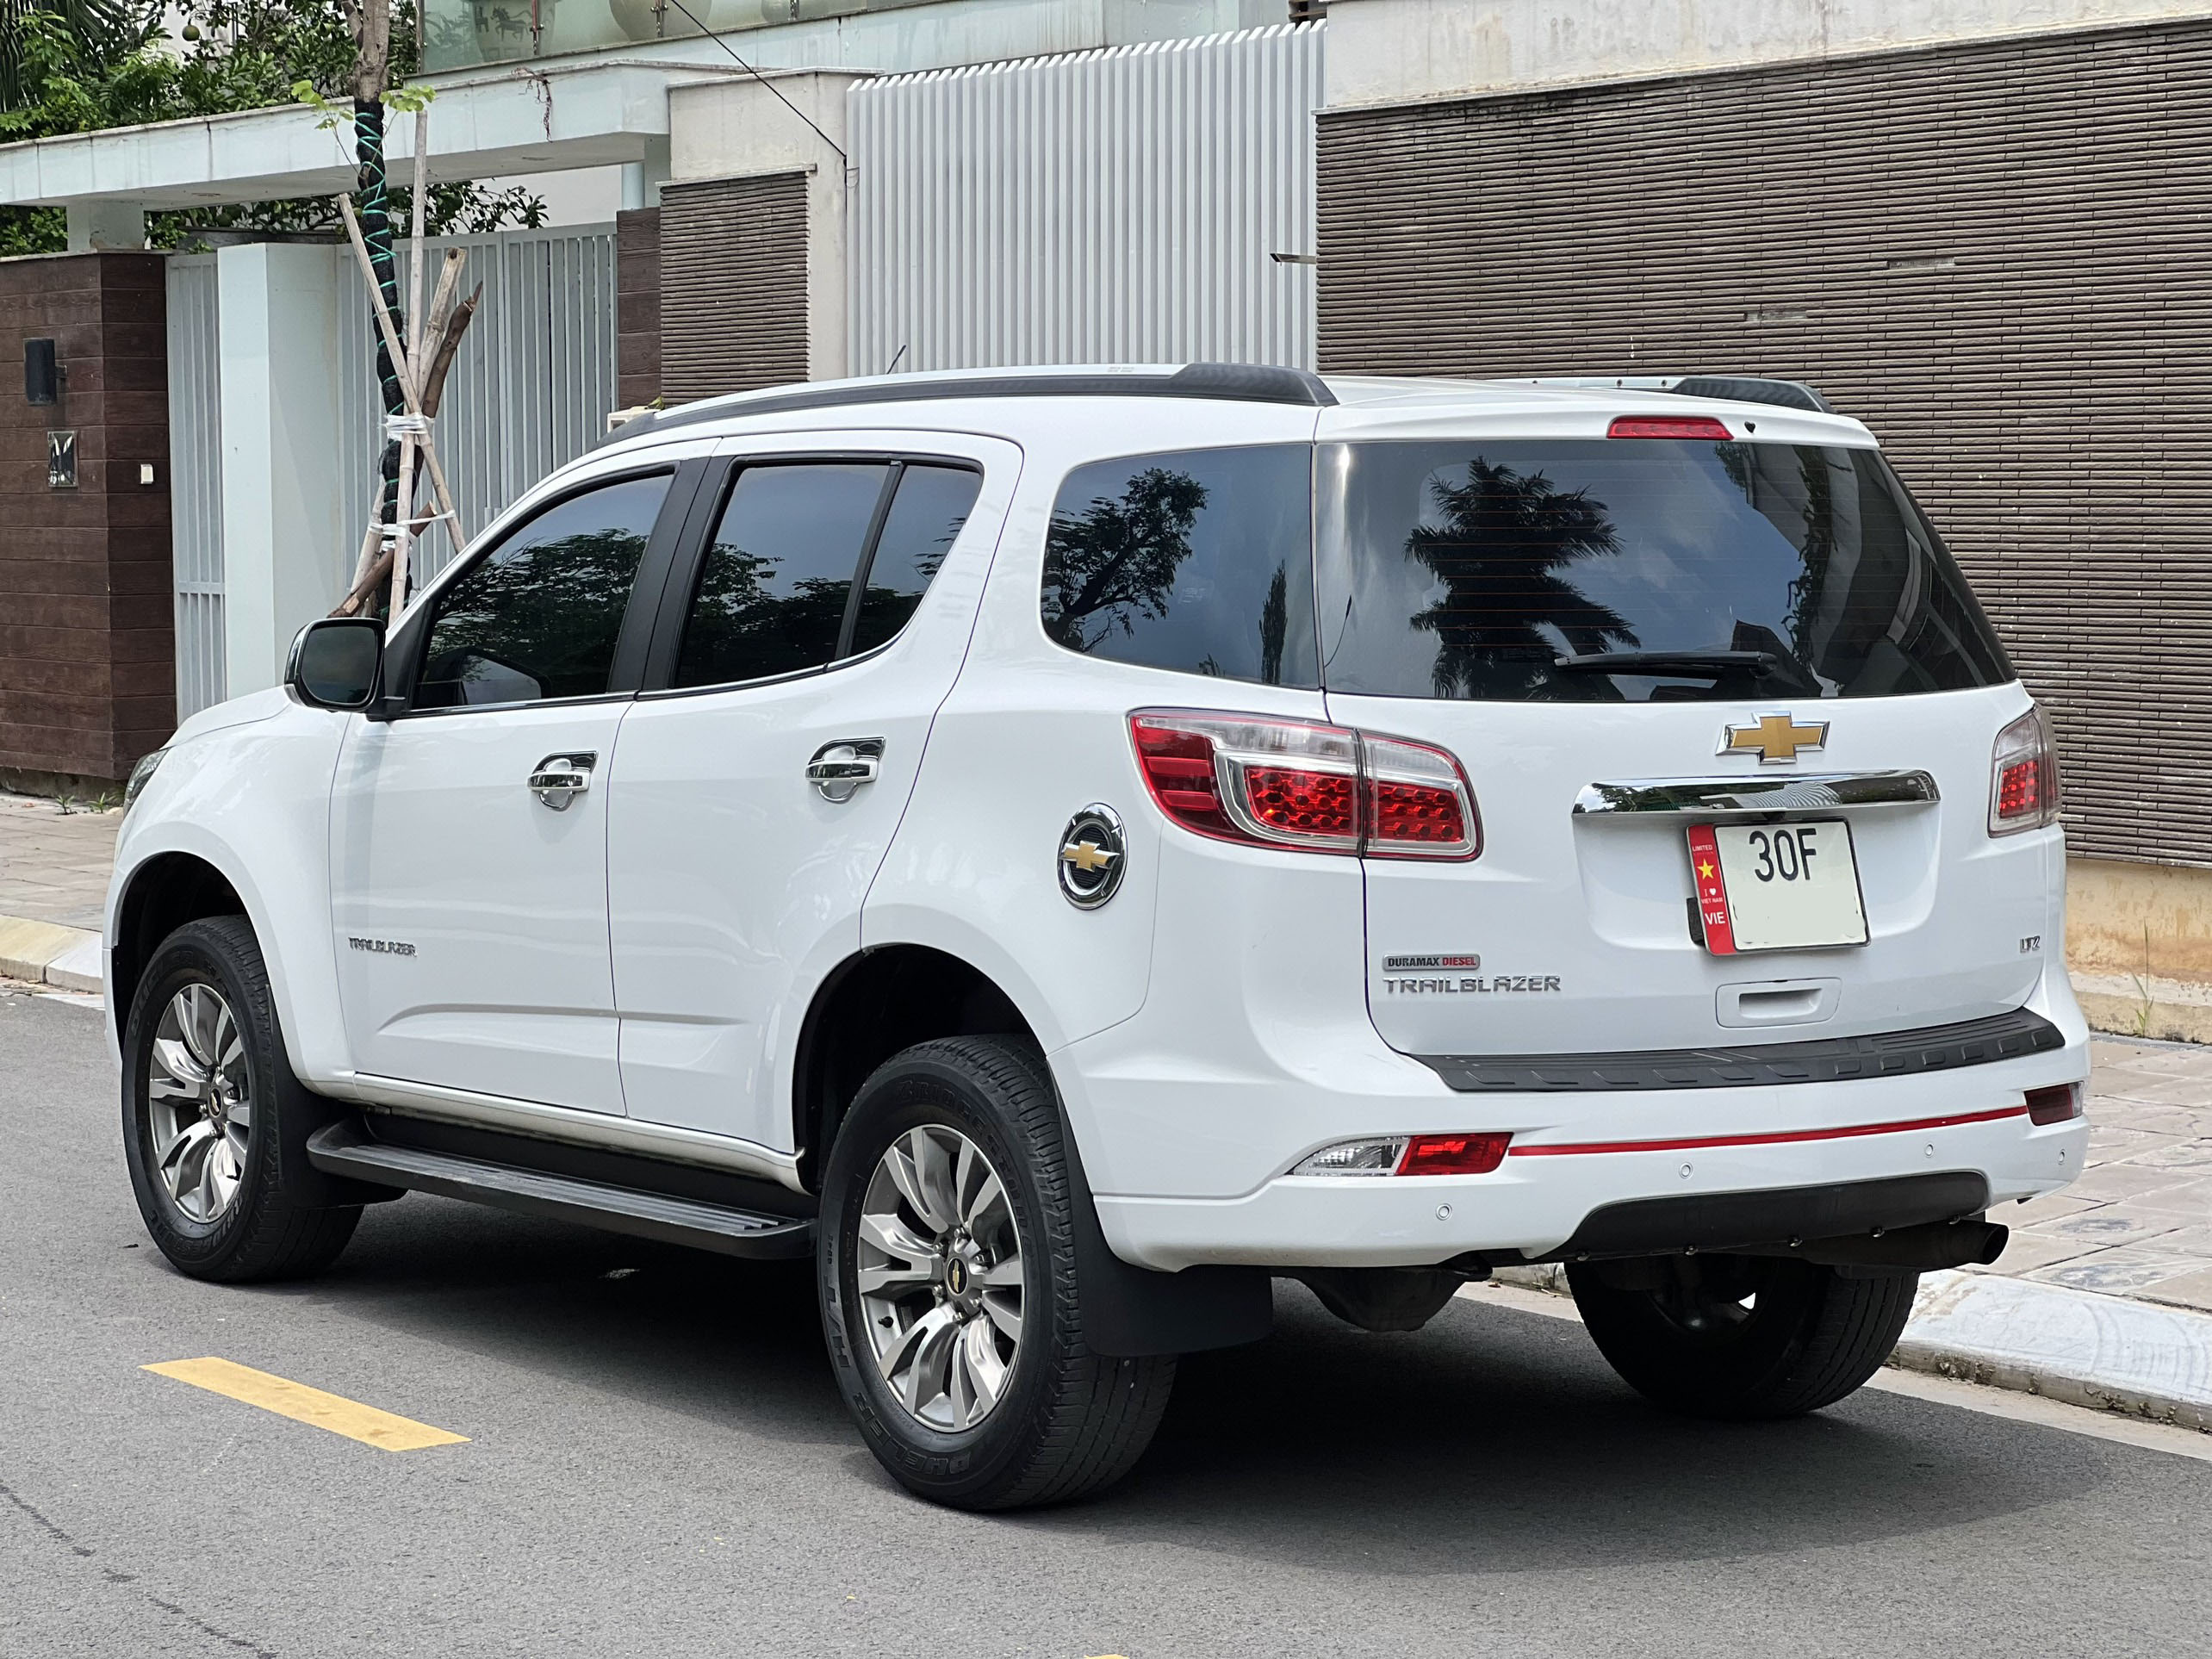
x,y
87,675
638,306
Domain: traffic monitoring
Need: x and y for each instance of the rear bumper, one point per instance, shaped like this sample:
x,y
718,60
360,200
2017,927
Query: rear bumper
x,y
1532,1206
1189,1163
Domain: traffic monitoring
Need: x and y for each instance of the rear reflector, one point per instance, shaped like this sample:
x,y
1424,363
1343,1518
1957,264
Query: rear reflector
x,y
1696,426
1315,788
1403,1154
2055,1104
1454,1154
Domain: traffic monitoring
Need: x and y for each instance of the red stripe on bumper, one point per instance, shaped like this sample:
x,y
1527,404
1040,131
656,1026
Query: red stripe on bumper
x,y
1781,1138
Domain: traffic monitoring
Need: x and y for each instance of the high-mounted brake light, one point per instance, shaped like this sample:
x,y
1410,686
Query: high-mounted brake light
x,y
1696,426
1315,788
2023,783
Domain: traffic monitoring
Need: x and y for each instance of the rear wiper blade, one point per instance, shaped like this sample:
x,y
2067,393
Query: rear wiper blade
x,y
1716,664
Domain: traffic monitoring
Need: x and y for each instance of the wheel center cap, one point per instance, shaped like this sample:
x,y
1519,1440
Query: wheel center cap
x,y
956,1276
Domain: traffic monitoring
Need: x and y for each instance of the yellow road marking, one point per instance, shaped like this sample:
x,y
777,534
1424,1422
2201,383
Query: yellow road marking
x,y
304,1405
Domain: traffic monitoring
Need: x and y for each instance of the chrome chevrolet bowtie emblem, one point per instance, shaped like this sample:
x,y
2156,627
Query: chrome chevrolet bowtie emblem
x,y
1092,854
1776,738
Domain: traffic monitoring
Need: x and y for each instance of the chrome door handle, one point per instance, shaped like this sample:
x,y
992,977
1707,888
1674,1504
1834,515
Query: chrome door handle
x,y
557,780
838,769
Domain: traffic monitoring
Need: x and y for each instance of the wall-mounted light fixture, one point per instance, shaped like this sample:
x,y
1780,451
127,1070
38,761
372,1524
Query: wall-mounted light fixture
x,y
41,373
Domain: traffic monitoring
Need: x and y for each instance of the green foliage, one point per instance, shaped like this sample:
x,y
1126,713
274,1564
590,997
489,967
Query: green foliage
x,y
1116,559
79,65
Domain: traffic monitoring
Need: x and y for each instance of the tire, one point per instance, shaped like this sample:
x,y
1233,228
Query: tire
x,y
234,1222
1063,1422
1675,1330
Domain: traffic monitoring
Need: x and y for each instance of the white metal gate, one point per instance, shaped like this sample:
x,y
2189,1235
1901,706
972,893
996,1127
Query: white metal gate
x,y
1127,205
195,481
530,389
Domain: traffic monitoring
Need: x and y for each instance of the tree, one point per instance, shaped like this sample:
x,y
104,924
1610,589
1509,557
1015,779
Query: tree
x,y
1118,556
1501,553
80,65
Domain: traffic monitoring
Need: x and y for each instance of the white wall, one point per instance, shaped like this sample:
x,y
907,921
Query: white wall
x,y
282,523
1396,51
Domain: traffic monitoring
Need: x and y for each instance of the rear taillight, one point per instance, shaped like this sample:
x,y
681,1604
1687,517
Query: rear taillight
x,y
1704,426
2056,1104
1318,789
2024,786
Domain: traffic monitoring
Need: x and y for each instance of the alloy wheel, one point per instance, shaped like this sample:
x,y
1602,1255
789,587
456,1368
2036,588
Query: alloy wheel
x,y
200,1103
939,1275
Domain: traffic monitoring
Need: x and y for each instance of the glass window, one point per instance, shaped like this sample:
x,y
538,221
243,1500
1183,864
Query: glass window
x,y
773,585
1200,561
1637,569
539,617
927,513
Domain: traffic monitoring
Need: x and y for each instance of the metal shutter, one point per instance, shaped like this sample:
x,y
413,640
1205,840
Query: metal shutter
x,y
1998,256
733,285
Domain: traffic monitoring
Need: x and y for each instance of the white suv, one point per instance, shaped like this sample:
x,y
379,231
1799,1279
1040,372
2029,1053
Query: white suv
x,y
1065,848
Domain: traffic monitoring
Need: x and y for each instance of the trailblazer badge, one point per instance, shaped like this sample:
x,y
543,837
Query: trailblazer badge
x,y
1092,854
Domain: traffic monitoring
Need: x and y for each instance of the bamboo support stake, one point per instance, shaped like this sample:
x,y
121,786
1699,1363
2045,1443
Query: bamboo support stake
x,y
403,370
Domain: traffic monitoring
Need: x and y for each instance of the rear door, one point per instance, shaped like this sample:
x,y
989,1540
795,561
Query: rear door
x,y
1623,640
803,652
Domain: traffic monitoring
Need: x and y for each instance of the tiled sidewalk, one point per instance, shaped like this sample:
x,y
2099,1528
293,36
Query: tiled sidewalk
x,y
2138,1223
54,865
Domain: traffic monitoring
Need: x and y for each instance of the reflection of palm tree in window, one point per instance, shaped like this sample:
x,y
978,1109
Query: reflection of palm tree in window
x,y
1504,541
1118,556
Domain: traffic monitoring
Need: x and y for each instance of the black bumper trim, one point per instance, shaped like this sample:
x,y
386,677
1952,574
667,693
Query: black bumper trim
x,y
1779,1215
1827,1059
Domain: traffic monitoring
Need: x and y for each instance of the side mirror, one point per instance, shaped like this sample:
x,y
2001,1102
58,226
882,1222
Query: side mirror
x,y
337,662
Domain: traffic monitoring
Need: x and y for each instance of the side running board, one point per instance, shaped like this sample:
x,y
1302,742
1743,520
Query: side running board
x,y
342,1149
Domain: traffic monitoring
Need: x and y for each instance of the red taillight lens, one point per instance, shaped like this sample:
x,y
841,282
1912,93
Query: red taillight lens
x,y
2055,1104
2024,789
1302,803
1318,788
1420,803
1453,1155
1704,426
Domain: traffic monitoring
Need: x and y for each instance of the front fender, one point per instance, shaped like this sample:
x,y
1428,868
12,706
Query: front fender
x,y
252,801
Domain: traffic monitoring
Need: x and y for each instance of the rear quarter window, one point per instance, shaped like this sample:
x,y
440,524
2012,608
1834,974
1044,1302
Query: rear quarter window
x,y
1196,561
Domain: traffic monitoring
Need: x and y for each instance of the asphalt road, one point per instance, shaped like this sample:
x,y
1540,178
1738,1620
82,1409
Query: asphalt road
x,y
657,1463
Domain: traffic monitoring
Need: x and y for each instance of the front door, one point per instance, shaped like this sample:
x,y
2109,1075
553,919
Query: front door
x,y
756,792
468,834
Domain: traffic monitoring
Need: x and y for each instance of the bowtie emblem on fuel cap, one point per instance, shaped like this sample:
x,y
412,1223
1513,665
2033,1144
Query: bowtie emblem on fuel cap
x,y
1775,738
1092,855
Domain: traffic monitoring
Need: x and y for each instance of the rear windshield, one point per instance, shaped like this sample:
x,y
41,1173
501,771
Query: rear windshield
x,y
1635,570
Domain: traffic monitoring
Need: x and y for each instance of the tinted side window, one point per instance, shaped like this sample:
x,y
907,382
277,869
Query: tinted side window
x,y
1200,560
539,616
927,513
774,582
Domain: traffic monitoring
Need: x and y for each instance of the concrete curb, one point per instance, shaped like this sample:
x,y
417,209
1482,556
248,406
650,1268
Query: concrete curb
x,y
2109,1353
45,953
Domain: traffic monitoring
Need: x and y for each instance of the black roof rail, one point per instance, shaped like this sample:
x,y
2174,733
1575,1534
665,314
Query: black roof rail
x,y
1232,382
1754,389
1737,389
